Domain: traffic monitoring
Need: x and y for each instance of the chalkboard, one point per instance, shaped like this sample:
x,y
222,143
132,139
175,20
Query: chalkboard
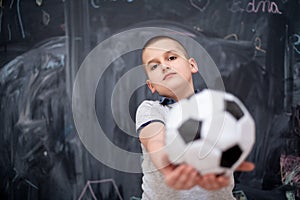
x,y
254,43
24,24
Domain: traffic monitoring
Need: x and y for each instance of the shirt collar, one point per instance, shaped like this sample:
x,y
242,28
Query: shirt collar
x,y
167,101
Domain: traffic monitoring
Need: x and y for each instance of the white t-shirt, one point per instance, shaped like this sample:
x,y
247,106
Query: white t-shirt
x,y
154,187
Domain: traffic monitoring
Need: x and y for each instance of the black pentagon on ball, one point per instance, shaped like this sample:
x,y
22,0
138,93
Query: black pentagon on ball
x,y
234,109
190,130
230,156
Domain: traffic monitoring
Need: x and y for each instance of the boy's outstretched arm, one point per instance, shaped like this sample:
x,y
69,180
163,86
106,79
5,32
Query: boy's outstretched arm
x,y
181,176
177,177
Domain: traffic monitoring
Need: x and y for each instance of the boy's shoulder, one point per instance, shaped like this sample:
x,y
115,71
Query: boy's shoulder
x,y
152,108
149,104
150,111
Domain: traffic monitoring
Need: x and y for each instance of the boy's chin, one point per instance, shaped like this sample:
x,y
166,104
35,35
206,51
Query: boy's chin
x,y
167,92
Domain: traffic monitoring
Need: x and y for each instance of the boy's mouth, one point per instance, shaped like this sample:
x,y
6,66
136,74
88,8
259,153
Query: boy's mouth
x,y
169,75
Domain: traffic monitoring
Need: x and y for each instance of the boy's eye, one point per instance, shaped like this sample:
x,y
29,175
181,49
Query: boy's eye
x,y
172,58
154,66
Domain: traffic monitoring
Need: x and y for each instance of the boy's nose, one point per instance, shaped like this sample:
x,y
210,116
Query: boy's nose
x,y
164,67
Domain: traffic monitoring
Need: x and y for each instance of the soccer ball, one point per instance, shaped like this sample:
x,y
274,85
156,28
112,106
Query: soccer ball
x,y
212,131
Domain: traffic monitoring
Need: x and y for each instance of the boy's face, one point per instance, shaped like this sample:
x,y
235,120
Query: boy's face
x,y
167,67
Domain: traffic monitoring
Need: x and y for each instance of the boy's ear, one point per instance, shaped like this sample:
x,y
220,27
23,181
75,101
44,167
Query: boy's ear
x,y
150,86
194,66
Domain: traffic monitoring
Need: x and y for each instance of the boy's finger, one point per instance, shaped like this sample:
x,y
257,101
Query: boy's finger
x,y
172,178
246,166
223,181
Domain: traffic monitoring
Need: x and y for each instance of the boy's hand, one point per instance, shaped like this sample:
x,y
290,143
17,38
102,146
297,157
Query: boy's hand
x,y
213,182
181,177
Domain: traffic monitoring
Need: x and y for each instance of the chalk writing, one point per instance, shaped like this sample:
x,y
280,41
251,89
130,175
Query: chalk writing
x,y
20,19
232,35
88,186
236,6
197,28
257,43
253,6
31,184
96,3
258,48
296,42
45,18
11,4
264,6
200,4
135,198
39,2
18,177
9,32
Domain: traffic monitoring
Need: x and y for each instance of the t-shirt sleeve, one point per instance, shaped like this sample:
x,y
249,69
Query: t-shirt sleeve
x,y
148,112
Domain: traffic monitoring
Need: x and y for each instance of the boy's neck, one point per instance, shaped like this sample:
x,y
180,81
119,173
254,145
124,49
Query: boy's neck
x,y
183,93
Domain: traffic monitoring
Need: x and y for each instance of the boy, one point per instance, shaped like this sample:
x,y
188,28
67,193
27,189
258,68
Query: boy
x,y
169,70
